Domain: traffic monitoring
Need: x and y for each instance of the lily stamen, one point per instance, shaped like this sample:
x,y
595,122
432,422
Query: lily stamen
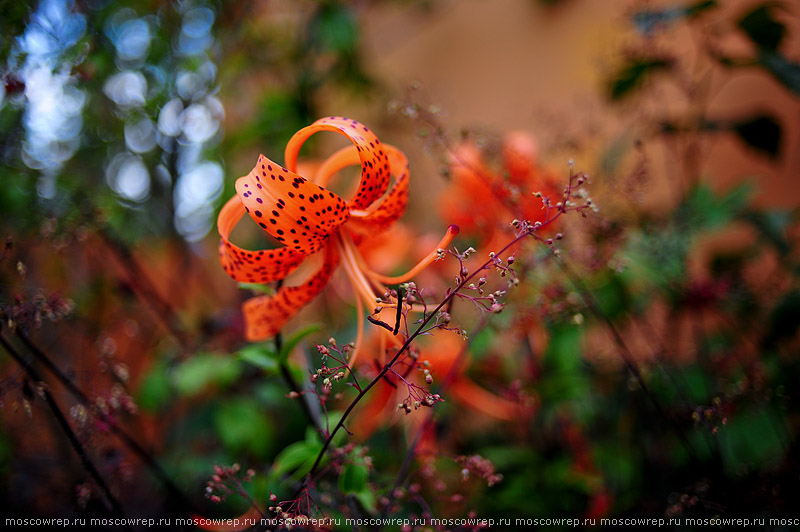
x,y
452,231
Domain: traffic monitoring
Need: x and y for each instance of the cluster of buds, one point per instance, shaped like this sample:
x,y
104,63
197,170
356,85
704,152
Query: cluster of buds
x,y
289,511
496,295
480,467
328,376
681,503
29,313
121,400
711,416
412,403
478,287
226,481
412,293
104,408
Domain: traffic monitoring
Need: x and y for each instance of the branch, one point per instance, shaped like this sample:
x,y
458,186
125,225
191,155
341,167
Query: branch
x,y
64,424
464,282
126,438
625,353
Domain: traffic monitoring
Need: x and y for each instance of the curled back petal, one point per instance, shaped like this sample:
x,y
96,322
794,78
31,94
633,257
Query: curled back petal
x,y
264,316
343,158
393,205
295,211
249,266
388,209
374,160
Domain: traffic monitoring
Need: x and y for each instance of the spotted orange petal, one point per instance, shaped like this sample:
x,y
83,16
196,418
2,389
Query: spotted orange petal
x,y
388,209
264,316
375,171
295,211
251,266
394,203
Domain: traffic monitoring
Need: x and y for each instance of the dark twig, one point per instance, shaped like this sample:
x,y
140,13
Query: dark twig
x,y
381,323
405,467
126,438
399,315
591,303
143,287
293,386
64,424
464,282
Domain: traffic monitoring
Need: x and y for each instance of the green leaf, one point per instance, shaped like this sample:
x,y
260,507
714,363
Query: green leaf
x,y
241,426
353,478
298,457
336,28
481,343
564,350
204,370
295,339
762,133
632,75
773,227
368,501
155,389
658,255
612,296
752,440
703,209
262,356
785,71
697,385
256,287
762,28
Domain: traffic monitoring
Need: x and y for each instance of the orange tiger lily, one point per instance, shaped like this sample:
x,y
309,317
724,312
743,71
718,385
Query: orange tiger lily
x,y
308,219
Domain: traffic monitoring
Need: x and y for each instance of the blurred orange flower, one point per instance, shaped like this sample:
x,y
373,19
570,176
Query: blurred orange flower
x,y
442,353
309,219
483,202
